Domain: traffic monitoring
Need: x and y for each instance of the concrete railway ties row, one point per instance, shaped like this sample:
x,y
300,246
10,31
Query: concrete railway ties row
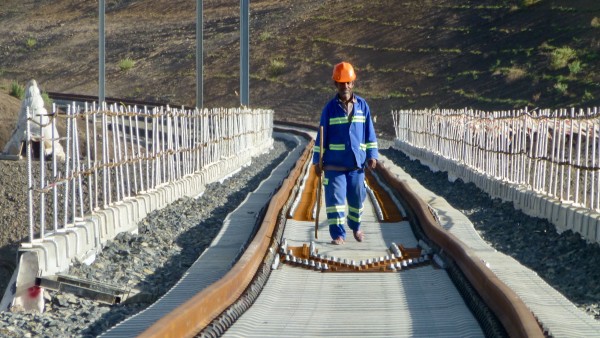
x,y
392,285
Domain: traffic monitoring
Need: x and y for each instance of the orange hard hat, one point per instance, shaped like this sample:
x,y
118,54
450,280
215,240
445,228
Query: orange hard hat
x,y
343,72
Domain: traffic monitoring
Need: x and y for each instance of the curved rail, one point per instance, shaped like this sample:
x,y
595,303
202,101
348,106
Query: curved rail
x,y
201,309
204,307
506,305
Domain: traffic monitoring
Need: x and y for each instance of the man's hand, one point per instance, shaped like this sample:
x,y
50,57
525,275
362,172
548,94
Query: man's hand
x,y
371,163
317,169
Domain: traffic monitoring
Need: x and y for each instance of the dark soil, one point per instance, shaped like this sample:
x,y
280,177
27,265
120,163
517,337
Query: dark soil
x,y
488,54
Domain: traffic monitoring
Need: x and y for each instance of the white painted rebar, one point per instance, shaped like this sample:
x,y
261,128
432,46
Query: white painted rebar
x,y
593,172
94,121
105,174
563,150
597,196
29,177
147,150
67,167
116,154
125,155
74,156
54,172
77,157
176,144
164,174
570,160
578,163
155,147
552,152
90,192
42,180
131,145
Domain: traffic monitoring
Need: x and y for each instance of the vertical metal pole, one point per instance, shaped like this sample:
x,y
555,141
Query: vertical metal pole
x,y
199,54
54,170
30,178
42,151
245,52
101,57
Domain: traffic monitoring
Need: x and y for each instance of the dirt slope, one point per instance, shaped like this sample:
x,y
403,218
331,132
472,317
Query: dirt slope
x,y
9,113
486,54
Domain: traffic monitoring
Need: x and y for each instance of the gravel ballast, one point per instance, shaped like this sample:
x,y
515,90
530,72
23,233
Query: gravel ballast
x,y
171,239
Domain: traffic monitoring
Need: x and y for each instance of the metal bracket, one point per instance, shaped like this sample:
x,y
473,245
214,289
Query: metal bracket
x,y
96,291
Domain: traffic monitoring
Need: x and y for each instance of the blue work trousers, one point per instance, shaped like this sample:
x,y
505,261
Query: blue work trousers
x,y
342,186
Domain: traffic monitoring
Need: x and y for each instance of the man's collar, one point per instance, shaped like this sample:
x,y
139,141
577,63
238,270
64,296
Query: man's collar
x,y
352,99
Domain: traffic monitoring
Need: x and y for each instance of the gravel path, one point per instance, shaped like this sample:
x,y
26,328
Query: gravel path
x,y
171,239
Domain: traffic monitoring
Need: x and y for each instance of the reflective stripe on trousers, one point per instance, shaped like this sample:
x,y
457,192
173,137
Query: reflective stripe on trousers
x,y
339,187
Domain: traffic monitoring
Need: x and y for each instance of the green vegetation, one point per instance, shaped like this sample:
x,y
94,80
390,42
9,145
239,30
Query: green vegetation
x,y
472,73
560,57
527,3
17,90
264,36
575,67
563,9
276,67
561,87
126,64
587,96
514,73
30,42
500,101
47,100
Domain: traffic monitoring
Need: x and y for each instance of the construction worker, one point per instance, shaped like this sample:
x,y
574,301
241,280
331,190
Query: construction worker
x,y
349,146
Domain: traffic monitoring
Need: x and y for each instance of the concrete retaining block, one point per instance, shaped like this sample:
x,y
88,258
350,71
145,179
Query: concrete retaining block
x,y
122,217
546,207
592,230
574,219
582,217
86,233
132,205
156,199
143,203
85,238
522,195
56,253
108,225
71,242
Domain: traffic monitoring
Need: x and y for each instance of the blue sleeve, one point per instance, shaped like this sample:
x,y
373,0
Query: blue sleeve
x,y
370,136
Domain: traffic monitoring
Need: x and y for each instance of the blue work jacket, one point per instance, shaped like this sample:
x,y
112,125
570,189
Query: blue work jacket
x,y
346,143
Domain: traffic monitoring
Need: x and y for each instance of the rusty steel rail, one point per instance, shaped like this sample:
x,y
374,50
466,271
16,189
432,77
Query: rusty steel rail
x,y
198,312
512,312
201,309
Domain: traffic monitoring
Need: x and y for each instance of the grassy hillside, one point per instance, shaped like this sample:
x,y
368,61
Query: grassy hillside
x,y
485,54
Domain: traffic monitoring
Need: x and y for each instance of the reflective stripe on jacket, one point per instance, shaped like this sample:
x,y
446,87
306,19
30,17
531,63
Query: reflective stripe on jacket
x,y
346,143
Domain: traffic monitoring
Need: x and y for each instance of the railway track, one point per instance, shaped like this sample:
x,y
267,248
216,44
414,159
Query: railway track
x,y
409,278
395,283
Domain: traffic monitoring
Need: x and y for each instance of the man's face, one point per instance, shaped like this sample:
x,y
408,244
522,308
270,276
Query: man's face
x,y
344,89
